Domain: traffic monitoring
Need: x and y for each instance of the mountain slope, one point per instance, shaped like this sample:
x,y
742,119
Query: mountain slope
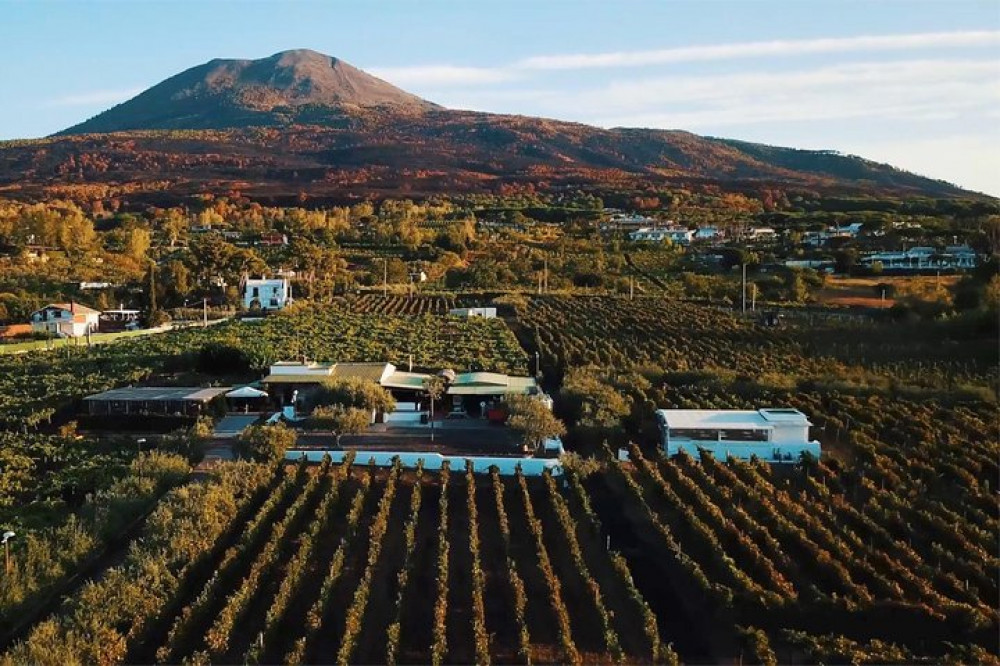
x,y
303,123
240,93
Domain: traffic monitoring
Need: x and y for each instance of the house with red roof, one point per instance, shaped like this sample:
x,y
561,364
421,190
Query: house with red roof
x,y
65,320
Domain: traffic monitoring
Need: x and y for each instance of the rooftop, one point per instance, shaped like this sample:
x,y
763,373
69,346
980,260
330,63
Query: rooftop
x,y
761,419
74,307
160,393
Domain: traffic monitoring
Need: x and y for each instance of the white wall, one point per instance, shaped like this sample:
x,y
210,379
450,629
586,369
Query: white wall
x,y
434,461
763,450
789,434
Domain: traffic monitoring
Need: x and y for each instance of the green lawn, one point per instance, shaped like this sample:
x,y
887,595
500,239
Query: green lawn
x,y
59,343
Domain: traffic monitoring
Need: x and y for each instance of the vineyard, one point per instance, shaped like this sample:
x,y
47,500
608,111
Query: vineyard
x,y
883,551
34,387
673,336
349,564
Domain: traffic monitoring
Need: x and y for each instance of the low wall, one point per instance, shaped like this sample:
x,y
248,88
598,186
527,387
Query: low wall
x,y
403,417
767,451
434,461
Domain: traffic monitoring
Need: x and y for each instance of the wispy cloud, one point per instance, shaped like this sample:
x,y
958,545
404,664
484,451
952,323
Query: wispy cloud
x,y
789,47
445,75
913,90
94,98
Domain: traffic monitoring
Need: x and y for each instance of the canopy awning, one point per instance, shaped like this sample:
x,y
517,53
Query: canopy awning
x,y
247,392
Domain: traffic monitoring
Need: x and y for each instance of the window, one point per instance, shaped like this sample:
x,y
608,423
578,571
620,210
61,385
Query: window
x,y
700,434
256,292
750,435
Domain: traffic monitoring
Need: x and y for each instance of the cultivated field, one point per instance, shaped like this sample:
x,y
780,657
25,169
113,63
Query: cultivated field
x,y
353,564
884,551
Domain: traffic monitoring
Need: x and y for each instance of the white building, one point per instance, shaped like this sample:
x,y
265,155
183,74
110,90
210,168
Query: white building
x,y
485,313
66,320
761,233
774,435
924,258
679,236
267,294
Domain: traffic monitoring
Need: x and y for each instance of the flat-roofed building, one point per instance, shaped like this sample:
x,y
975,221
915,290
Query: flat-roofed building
x,y
486,313
772,434
153,400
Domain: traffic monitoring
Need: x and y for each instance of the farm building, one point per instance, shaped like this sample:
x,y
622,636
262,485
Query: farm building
x,y
119,320
67,320
774,435
153,400
467,391
287,377
486,313
266,294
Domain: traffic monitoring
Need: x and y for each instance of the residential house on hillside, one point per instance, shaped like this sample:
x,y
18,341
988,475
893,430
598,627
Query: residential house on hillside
x,y
676,235
924,258
66,320
266,294
273,239
761,233
708,233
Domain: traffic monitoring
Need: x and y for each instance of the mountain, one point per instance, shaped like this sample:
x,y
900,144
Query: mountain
x,y
301,123
240,93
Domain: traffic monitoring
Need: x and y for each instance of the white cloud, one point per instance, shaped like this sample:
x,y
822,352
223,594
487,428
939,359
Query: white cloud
x,y
455,75
763,49
95,98
912,89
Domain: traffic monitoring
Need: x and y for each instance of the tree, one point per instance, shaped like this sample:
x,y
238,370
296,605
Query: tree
x,y
434,387
137,242
588,400
341,420
266,443
533,421
354,392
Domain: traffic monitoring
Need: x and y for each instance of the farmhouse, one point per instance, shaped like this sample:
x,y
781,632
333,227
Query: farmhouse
x,y
67,320
468,391
266,294
153,400
486,313
774,434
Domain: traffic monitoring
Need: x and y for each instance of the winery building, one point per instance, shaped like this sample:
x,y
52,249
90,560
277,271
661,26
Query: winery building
x,y
773,434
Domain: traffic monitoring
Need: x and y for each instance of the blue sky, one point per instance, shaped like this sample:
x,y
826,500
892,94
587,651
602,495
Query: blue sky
x,y
915,84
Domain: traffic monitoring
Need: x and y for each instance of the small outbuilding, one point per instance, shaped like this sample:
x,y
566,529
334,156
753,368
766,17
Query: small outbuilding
x,y
772,434
485,313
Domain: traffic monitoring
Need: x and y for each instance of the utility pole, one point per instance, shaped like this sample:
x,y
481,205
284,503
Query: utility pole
x,y
744,287
385,277
536,365
631,288
204,313
753,297
7,536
